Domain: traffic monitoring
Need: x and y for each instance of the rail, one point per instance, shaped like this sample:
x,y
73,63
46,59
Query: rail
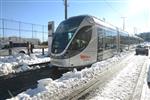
x,y
100,81
136,95
15,83
82,92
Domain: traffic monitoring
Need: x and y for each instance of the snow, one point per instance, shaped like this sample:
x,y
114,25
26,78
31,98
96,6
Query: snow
x,y
69,82
8,63
146,89
120,87
145,92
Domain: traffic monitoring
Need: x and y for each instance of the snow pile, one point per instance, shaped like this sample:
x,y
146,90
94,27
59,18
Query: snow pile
x,y
69,82
6,68
8,63
23,59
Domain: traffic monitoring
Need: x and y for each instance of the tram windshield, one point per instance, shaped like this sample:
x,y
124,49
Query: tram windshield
x,y
64,33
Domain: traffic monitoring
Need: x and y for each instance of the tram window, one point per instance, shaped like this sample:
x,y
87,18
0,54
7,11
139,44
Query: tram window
x,y
108,39
69,25
82,38
114,41
124,39
70,35
100,32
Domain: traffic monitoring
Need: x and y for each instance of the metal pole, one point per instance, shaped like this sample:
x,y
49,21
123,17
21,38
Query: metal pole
x,y
32,31
123,22
43,33
35,34
10,47
66,9
43,51
135,30
19,32
3,28
118,40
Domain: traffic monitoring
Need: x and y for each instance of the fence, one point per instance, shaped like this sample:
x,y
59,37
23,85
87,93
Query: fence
x,y
22,31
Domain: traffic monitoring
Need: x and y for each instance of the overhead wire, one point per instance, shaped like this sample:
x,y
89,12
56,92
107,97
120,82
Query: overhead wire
x,y
77,1
110,6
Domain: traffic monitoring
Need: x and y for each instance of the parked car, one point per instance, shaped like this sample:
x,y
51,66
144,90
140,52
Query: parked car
x,y
142,49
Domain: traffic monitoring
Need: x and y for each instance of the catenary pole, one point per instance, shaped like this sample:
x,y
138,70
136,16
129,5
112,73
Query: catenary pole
x,y
66,10
123,22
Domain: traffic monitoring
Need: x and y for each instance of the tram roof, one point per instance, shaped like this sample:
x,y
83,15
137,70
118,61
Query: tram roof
x,y
100,22
103,23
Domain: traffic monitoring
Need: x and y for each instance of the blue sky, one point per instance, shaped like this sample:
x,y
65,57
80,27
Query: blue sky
x,y
137,12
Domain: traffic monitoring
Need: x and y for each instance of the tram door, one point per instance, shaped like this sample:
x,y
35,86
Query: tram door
x,y
100,44
79,54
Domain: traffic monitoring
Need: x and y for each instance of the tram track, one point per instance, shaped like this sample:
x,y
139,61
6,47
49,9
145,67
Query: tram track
x,y
15,83
137,92
99,81
30,78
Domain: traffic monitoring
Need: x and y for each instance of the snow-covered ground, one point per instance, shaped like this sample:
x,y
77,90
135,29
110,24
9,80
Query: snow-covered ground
x,y
8,63
71,81
146,89
118,88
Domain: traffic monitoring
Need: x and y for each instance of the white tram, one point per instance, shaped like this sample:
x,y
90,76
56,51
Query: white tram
x,y
84,40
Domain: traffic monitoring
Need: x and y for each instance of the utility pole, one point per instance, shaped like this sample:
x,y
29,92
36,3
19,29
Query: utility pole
x,y
123,22
135,30
66,10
